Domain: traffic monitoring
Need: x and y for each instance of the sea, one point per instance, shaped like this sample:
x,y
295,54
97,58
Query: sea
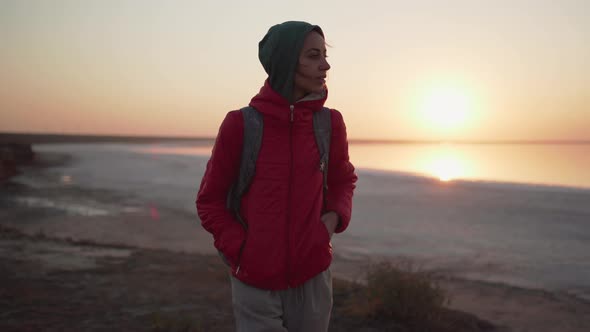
x,y
517,214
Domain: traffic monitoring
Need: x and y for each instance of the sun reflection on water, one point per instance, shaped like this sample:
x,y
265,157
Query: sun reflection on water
x,y
445,164
446,169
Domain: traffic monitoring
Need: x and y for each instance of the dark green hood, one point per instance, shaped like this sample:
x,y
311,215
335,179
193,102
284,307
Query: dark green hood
x,y
279,52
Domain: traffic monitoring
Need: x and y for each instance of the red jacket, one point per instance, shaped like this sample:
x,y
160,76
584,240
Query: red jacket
x,y
285,244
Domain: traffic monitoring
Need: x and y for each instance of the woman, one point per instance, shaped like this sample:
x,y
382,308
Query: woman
x,y
280,257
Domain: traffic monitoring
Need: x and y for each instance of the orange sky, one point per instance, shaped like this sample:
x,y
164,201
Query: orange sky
x,y
515,69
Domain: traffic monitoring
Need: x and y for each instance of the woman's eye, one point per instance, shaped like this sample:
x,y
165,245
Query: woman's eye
x,y
317,56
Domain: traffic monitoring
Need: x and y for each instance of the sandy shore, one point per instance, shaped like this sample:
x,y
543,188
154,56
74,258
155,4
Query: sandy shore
x,y
82,214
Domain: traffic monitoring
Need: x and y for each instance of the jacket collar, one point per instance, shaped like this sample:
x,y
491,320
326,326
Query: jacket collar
x,y
269,102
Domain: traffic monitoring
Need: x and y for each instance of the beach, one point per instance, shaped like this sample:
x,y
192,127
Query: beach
x,y
490,272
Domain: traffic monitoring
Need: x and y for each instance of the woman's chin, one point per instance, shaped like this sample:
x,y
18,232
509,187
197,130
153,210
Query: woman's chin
x,y
320,90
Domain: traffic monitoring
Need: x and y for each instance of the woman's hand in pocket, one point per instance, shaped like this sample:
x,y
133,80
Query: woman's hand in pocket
x,y
330,220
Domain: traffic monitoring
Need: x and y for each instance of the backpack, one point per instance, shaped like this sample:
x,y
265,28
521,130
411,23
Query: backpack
x,y
253,128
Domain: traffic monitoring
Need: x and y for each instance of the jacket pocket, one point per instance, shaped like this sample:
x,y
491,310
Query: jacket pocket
x,y
236,268
323,241
234,264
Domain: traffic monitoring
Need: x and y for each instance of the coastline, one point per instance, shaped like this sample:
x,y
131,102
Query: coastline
x,y
517,309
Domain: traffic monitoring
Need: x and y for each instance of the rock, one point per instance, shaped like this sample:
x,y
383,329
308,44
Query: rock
x,y
13,155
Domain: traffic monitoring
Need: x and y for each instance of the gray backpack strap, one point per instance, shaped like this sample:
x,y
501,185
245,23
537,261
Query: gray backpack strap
x,y
253,128
322,127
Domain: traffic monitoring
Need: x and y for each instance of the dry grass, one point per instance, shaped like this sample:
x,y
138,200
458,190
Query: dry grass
x,y
174,323
399,292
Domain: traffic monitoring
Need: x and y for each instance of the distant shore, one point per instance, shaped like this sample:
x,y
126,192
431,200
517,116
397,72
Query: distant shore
x,y
38,138
59,138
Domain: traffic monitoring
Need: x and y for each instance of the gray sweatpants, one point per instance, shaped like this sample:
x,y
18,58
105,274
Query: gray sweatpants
x,y
305,308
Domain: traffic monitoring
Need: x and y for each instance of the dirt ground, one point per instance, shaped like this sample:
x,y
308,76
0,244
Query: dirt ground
x,y
58,285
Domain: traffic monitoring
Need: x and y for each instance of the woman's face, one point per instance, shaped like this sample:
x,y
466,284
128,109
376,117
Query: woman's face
x,y
310,76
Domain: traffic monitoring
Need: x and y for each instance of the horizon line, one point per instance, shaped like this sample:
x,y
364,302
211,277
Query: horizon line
x,y
31,138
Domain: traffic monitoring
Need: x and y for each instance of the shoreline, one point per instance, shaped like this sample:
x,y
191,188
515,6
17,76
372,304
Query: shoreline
x,y
419,177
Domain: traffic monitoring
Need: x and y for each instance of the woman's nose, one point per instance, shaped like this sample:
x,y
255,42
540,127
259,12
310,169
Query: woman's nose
x,y
325,65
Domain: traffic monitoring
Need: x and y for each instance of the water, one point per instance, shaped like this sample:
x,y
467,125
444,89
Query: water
x,y
543,164
525,235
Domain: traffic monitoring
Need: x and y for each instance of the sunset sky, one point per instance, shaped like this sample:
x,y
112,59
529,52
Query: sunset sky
x,y
483,70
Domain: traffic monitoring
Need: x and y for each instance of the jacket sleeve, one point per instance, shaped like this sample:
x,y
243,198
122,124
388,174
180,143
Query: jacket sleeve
x,y
222,171
341,175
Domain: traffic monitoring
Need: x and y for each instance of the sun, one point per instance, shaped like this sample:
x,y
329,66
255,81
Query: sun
x,y
445,108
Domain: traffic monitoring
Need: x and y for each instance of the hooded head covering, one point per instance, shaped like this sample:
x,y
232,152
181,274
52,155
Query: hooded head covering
x,y
279,52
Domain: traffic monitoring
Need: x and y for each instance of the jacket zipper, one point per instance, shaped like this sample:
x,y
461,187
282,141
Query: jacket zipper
x,y
240,256
291,120
243,244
